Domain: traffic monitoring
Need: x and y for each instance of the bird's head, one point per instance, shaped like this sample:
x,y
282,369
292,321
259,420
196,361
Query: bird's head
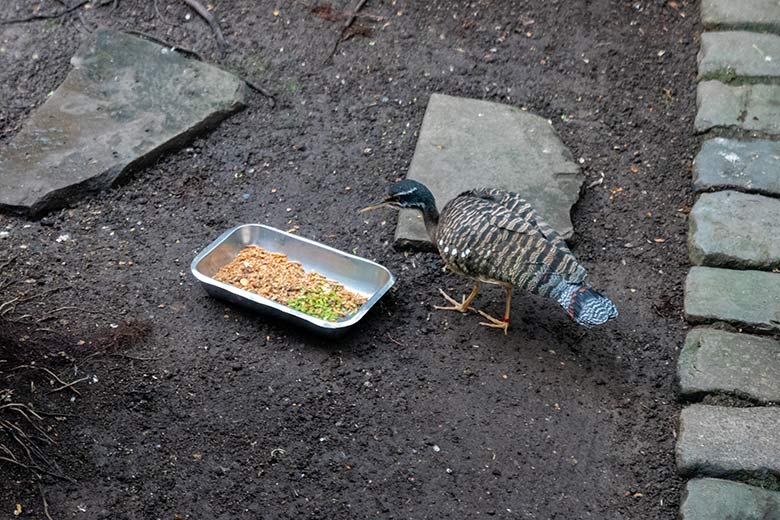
x,y
406,194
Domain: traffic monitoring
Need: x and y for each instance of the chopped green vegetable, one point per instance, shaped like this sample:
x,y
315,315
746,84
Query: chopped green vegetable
x,y
323,302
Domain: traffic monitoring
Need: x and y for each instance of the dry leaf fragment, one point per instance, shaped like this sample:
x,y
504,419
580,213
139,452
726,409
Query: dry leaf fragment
x,y
634,168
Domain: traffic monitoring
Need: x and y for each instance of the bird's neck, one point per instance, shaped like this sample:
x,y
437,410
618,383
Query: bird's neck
x,y
431,220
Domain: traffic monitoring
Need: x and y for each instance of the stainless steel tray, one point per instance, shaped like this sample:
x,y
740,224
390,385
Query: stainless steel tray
x,y
356,274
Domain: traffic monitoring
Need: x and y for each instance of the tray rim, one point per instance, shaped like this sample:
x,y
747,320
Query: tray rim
x,y
257,299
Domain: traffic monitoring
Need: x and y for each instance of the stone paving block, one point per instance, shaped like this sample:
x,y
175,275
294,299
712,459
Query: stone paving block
x,y
750,107
469,143
754,15
718,104
716,499
125,102
734,229
744,165
739,54
719,362
748,299
721,441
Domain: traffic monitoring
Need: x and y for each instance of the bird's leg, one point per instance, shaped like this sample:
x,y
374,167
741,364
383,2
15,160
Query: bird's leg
x,y
503,323
463,306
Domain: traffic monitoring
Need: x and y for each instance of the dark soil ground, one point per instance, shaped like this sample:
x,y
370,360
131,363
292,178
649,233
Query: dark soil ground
x,y
418,414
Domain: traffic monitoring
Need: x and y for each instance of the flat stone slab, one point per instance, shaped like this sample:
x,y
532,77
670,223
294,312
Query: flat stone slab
x,y
749,107
125,101
719,362
744,165
755,15
721,441
747,299
468,143
739,54
734,229
716,499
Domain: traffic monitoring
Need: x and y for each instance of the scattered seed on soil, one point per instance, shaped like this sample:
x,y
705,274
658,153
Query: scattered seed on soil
x,y
273,276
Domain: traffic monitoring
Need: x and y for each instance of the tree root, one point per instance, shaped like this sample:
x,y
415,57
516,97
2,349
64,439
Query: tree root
x,y
206,15
350,20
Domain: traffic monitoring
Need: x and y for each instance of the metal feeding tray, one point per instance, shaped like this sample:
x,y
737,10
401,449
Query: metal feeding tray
x,y
359,275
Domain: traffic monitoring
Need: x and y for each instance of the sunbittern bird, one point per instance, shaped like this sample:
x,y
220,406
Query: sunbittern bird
x,y
494,236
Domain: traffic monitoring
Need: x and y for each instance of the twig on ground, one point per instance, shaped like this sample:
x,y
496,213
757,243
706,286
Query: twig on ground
x,y
53,313
52,374
135,358
391,338
261,91
7,306
23,410
206,15
6,263
11,304
46,16
20,319
18,300
353,15
84,23
160,16
68,385
36,469
52,414
43,499
31,450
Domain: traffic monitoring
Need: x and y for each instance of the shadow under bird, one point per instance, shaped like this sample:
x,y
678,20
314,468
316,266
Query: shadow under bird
x,y
494,236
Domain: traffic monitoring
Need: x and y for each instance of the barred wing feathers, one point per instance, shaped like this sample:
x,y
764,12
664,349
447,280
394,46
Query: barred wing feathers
x,y
495,235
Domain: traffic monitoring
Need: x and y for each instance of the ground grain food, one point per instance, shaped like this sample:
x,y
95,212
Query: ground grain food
x,y
274,276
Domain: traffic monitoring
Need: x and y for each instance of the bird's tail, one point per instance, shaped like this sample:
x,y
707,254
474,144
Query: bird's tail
x,y
586,306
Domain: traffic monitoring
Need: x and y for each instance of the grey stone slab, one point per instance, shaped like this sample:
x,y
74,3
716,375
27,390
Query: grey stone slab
x,y
762,113
755,15
719,105
749,107
719,362
739,54
748,299
468,143
744,165
125,101
721,441
716,499
734,229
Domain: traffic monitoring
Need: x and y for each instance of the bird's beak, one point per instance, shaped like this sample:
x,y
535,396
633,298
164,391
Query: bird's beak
x,y
375,206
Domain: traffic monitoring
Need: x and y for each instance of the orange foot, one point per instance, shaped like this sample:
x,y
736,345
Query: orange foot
x,y
463,306
494,323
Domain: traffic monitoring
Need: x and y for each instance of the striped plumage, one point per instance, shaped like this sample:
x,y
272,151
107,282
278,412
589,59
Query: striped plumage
x,y
495,236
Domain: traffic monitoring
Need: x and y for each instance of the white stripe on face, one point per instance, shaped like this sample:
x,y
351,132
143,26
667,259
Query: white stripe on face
x,y
407,192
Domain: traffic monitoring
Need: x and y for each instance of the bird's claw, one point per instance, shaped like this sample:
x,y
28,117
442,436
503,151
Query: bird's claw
x,y
456,306
494,323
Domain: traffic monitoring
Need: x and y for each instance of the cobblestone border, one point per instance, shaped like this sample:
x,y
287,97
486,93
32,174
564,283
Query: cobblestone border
x,y
732,363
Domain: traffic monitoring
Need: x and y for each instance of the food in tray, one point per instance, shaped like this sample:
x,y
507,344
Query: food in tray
x,y
273,276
